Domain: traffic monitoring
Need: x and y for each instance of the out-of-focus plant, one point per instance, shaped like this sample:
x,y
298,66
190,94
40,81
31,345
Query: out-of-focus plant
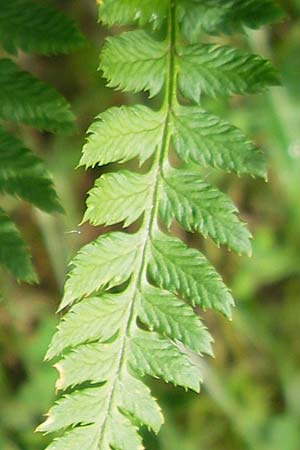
x,y
250,398
35,28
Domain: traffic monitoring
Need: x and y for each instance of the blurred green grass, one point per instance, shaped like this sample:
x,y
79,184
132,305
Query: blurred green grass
x,y
251,395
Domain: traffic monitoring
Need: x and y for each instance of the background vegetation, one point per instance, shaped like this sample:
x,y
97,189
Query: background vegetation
x,y
251,396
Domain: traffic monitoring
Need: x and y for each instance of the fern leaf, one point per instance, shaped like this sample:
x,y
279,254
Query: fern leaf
x,y
146,285
204,139
138,402
74,368
118,197
227,16
129,12
89,273
96,318
13,251
80,438
209,16
120,434
185,271
25,99
135,62
26,25
36,28
86,406
197,206
22,174
120,134
173,318
131,397
159,357
220,70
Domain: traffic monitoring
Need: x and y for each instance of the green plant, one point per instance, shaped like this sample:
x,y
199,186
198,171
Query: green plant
x,y
131,295
35,28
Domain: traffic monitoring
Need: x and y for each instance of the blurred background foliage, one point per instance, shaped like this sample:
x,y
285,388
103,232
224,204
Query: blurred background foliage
x,y
251,395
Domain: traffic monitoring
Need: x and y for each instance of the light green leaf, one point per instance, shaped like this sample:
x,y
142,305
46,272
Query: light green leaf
x,y
103,405
204,139
127,12
118,197
93,362
13,251
90,405
80,438
106,262
122,433
24,175
197,206
120,134
220,70
136,400
81,407
96,318
159,357
185,271
134,61
119,433
26,99
37,28
169,315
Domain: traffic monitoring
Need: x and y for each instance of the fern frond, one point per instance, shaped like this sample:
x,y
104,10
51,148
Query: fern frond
x,y
24,175
197,206
88,321
13,251
121,134
204,139
186,272
89,273
135,62
129,12
172,317
226,16
222,70
147,284
36,28
119,197
24,99
209,16
155,355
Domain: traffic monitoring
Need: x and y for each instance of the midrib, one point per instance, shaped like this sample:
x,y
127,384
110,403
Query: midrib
x,y
149,224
